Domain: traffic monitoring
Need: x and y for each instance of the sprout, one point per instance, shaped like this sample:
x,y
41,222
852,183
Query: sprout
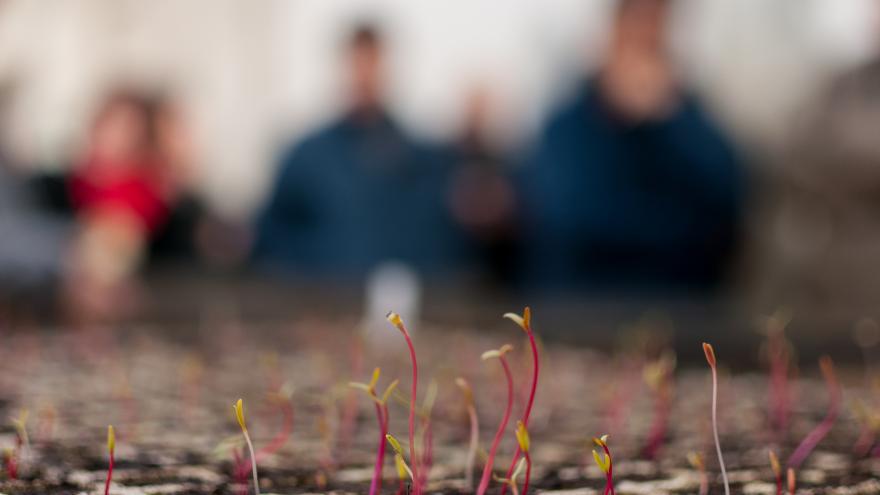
x,y
525,322
696,461
658,375
710,358
382,417
814,437
238,407
474,432
605,463
523,441
490,459
792,480
777,471
395,320
111,449
403,471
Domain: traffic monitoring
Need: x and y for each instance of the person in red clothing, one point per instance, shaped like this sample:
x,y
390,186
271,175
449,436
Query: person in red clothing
x,y
124,190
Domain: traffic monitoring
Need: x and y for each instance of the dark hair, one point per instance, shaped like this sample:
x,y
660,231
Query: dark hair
x,y
364,35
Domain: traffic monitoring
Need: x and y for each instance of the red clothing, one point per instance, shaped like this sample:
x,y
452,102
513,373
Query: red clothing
x,y
125,188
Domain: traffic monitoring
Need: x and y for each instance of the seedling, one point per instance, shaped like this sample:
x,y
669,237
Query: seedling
x,y
523,441
525,322
11,464
403,470
238,408
512,481
382,417
777,471
605,463
283,398
821,430
490,459
22,441
395,320
427,460
870,421
710,358
658,376
696,461
779,351
111,448
792,481
474,432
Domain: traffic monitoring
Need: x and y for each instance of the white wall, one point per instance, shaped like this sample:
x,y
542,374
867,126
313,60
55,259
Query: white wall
x,y
255,73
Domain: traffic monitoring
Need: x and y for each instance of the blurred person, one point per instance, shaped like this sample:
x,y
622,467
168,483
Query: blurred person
x,y
131,196
482,196
827,226
632,187
359,191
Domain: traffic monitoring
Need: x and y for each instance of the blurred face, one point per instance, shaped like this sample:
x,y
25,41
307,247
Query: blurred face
x,y
366,75
641,27
120,134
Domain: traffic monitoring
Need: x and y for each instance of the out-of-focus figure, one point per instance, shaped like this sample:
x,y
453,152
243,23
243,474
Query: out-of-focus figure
x,y
359,191
830,214
482,197
632,186
129,191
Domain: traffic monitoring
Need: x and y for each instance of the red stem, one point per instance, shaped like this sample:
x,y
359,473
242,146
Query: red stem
x,y
412,412
779,483
490,460
529,404
609,476
382,416
525,489
109,475
658,428
814,437
281,438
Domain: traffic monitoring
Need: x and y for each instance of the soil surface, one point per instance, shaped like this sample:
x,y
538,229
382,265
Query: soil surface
x,y
169,396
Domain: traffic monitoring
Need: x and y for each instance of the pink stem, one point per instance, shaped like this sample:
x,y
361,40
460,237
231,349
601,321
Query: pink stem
x,y
109,475
281,438
490,460
658,428
525,489
529,404
609,476
412,413
382,416
814,437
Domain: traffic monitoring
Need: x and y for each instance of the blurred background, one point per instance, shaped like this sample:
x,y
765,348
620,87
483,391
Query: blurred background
x,y
694,164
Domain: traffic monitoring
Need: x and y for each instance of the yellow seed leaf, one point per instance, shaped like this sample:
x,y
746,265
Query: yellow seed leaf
x,y
522,436
111,439
389,391
394,444
375,379
602,463
238,407
519,320
402,469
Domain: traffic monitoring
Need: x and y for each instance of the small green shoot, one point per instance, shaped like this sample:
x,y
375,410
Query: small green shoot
x,y
111,449
710,358
605,463
238,408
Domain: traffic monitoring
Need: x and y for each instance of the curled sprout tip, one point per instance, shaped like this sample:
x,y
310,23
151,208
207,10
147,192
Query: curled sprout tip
x,y
710,354
238,407
395,320
496,353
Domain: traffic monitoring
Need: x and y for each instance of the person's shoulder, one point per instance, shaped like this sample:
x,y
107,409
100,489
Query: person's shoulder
x,y
572,107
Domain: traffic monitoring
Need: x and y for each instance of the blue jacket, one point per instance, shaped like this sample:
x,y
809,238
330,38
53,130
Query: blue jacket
x,y
352,195
612,205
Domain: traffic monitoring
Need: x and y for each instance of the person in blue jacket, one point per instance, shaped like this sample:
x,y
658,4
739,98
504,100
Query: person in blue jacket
x,y
632,186
358,192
